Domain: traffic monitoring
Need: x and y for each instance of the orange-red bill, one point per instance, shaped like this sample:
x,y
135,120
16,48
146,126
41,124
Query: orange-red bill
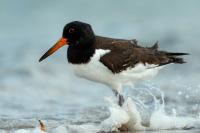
x,y
54,48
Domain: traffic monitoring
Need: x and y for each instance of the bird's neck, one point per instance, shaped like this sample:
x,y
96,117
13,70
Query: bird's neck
x,y
80,55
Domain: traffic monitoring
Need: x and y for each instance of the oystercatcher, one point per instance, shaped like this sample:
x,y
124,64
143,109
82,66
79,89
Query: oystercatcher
x,y
113,62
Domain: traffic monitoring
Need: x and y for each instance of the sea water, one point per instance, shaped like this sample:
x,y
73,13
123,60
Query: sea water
x,y
49,91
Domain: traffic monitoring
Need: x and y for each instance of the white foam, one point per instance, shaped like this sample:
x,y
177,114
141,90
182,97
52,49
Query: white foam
x,y
118,117
135,118
128,115
36,130
161,121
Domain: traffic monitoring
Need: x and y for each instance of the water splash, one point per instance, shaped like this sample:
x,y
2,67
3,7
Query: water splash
x,y
128,115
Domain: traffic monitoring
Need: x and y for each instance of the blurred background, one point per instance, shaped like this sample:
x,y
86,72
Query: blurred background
x,y
30,90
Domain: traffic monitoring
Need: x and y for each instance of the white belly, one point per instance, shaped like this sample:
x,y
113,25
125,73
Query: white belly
x,y
96,71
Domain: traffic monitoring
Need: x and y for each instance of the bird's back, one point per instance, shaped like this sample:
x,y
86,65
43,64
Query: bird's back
x,y
127,54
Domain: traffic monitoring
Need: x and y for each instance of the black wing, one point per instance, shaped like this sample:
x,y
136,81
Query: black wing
x,y
126,54
119,60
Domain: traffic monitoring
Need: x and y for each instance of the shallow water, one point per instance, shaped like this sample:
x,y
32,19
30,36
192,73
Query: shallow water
x,y
49,91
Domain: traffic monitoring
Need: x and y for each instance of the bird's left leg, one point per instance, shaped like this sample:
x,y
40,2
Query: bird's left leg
x,y
124,127
120,97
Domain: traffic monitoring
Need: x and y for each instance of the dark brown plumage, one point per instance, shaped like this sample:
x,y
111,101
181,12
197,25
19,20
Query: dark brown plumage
x,y
127,53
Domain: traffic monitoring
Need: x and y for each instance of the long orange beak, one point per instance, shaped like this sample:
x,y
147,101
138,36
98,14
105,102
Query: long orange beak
x,y
59,44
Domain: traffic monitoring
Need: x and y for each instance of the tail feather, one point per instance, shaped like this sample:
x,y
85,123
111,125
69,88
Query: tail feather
x,y
170,57
174,59
176,54
177,60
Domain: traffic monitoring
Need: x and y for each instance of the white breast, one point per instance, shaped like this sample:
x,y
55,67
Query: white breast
x,y
96,71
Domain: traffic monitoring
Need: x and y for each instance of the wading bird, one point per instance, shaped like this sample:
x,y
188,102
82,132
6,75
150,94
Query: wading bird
x,y
113,62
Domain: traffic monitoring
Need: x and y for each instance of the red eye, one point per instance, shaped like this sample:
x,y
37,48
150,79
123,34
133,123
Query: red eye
x,y
71,30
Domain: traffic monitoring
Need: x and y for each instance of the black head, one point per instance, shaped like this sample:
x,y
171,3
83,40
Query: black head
x,y
78,34
75,34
